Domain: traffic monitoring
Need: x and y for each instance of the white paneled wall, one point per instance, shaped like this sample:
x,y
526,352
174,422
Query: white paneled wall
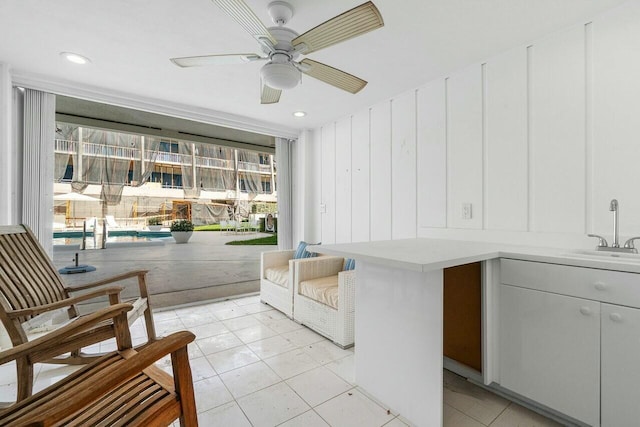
x,y
506,167
537,140
464,147
380,146
432,155
343,181
616,110
403,166
557,112
360,193
328,184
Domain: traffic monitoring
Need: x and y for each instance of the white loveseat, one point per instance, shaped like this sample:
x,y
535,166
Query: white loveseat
x,y
324,296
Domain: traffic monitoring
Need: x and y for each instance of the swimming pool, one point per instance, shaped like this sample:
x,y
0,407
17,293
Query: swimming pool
x,y
71,241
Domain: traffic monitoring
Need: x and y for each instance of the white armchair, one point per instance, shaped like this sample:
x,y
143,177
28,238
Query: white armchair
x,y
276,280
324,298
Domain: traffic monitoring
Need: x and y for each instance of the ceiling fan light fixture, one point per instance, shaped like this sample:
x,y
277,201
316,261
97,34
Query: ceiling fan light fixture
x,y
280,76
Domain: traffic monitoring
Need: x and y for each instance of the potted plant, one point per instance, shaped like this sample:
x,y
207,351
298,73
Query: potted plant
x,y
181,230
154,223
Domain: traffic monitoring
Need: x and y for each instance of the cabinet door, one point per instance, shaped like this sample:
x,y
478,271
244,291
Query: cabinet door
x,y
620,369
549,350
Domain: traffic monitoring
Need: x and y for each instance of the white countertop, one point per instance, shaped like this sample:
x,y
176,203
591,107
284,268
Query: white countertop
x,y
431,254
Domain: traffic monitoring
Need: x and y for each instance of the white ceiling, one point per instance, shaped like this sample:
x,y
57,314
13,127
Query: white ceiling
x,y
130,43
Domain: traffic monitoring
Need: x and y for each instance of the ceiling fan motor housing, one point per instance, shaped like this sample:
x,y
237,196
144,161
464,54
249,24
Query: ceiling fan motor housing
x,y
280,12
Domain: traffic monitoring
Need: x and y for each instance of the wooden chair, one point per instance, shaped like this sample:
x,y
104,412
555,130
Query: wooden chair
x,y
31,289
121,388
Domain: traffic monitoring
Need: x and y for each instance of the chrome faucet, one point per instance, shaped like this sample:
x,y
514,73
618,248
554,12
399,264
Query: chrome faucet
x,y
615,246
613,207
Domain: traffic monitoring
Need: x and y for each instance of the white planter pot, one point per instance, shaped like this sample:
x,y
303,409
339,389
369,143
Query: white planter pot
x,y
181,236
155,227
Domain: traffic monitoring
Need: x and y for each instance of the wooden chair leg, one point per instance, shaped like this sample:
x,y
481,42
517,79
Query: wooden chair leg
x,y
24,372
184,387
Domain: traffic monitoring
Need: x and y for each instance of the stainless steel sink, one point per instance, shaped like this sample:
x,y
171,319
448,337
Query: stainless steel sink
x,y
603,255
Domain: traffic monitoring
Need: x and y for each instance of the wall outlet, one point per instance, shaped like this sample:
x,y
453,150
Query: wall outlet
x,y
323,208
466,212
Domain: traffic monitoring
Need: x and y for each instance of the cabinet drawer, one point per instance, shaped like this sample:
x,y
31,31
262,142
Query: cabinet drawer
x,y
614,287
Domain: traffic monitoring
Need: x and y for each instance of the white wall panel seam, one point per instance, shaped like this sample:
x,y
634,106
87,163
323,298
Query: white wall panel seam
x,y
351,178
447,115
322,201
369,160
588,133
335,180
530,165
391,169
485,153
415,118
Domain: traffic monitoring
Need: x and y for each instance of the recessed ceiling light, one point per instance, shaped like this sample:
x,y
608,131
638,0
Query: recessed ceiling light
x,y
75,58
299,114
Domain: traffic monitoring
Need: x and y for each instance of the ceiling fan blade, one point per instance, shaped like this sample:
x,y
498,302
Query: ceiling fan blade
x,y
269,95
243,15
332,76
197,61
357,21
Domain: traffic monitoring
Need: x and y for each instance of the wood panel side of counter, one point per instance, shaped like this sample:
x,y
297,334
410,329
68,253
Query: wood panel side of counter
x,y
462,314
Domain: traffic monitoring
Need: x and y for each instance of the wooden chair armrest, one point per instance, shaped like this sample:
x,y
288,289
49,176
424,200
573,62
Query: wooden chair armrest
x,y
79,325
313,268
117,278
67,302
117,373
146,356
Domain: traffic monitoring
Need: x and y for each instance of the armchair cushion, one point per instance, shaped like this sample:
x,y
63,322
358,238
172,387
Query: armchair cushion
x,y
323,289
278,275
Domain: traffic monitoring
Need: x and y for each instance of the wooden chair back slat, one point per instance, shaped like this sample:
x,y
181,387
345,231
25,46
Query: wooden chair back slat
x,y
36,266
43,267
27,277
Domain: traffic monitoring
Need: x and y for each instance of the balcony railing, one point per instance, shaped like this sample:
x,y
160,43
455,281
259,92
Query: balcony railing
x,y
254,167
133,153
172,158
66,147
212,162
113,151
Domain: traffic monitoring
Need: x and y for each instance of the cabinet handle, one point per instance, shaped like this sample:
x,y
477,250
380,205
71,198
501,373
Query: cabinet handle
x,y
616,317
585,310
601,286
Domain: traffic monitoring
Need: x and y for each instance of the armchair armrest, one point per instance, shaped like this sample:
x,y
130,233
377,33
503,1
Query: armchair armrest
x,y
116,312
67,302
274,258
313,268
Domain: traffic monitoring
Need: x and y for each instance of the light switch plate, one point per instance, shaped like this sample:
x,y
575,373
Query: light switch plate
x,y
323,208
466,211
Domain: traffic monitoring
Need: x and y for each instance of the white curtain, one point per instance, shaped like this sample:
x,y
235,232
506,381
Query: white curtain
x,y
39,127
284,156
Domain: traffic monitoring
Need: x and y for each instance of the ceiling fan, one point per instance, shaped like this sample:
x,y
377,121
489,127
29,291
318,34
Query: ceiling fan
x,y
281,46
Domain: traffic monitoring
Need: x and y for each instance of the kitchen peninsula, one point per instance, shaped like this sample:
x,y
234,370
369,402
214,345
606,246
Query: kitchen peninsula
x,y
399,298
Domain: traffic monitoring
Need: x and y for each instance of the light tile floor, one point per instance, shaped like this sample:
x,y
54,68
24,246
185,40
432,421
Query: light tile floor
x,y
254,367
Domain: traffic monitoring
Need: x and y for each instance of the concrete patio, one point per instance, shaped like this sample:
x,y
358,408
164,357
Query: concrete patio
x,y
203,269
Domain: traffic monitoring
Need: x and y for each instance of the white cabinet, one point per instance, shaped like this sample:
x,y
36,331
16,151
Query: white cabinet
x,y
568,340
620,366
550,350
